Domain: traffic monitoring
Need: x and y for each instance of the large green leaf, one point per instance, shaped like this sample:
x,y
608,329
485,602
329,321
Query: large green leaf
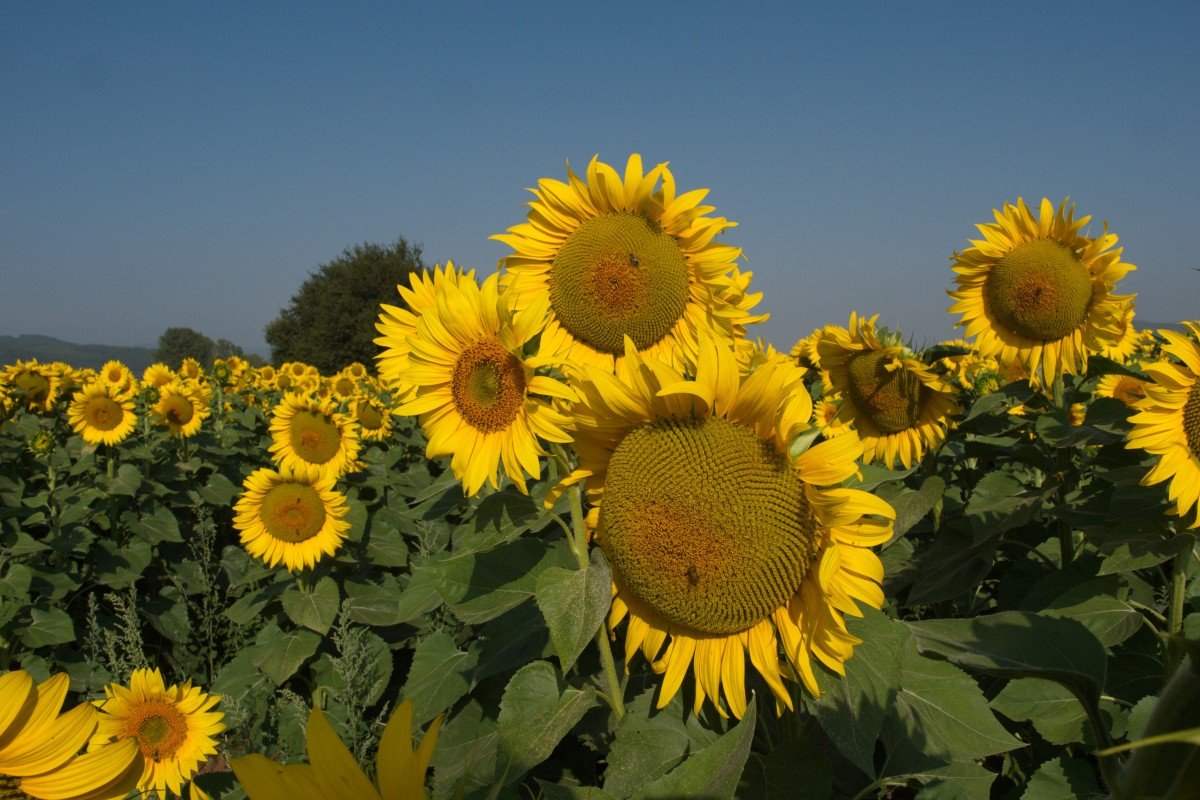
x,y
482,586
713,773
465,757
1064,779
1050,707
851,709
440,674
574,603
1017,644
649,743
48,626
537,711
793,770
314,608
1109,619
280,654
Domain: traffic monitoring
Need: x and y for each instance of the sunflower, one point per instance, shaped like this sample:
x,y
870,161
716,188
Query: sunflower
x,y
32,385
333,774
1126,388
174,727
191,369
1168,421
475,392
898,406
290,518
1039,292
39,748
1127,345
179,410
100,414
157,374
374,419
721,544
626,257
120,378
825,416
343,386
311,438
397,324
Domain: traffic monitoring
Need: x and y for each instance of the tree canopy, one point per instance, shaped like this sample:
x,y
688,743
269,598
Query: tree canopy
x,y
176,344
330,321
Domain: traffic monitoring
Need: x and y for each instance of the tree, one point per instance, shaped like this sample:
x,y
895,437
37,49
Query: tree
x,y
330,322
176,344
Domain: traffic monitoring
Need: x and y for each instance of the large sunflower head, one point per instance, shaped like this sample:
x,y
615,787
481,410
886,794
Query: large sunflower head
x,y
32,385
174,727
899,407
625,257
287,518
1168,421
475,389
1039,291
310,437
179,410
397,323
40,748
101,414
721,544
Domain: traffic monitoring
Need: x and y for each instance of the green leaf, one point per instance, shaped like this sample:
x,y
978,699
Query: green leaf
x,y
1000,502
537,711
15,582
440,674
1064,779
1109,619
49,626
851,709
713,772
386,546
126,482
280,654
482,586
500,519
160,526
552,791
1017,644
792,770
511,641
217,490
941,714
465,757
649,743
315,609
384,604
912,506
1134,545
574,603
1051,707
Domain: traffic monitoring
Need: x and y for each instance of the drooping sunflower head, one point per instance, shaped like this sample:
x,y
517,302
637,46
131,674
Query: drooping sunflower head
x,y
899,407
474,387
287,518
1168,420
374,419
157,374
1039,291
179,410
32,385
174,727
310,437
1126,388
625,257
1127,345
720,543
397,323
100,414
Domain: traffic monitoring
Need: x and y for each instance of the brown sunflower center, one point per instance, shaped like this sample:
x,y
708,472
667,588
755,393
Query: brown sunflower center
x,y
177,410
890,400
160,728
706,524
292,512
1040,290
315,437
10,789
617,275
369,416
1191,419
344,387
35,387
488,386
103,413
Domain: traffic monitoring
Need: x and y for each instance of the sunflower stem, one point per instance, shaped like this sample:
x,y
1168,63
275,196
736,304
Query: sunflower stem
x,y
579,545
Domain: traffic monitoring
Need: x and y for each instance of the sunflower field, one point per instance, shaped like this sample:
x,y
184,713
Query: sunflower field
x,y
578,533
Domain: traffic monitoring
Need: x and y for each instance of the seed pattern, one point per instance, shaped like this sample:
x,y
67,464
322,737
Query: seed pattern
x,y
315,437
1191,419
488,386
103,413
1040,290
706,523
617,275
293,512
891,400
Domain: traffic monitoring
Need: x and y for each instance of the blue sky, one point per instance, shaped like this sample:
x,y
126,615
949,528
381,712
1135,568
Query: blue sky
x,y
189,164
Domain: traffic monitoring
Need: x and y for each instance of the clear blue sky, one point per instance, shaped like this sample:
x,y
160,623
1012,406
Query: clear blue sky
x,y
190,163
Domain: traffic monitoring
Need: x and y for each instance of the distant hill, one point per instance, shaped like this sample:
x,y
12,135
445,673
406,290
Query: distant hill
x,y
47,348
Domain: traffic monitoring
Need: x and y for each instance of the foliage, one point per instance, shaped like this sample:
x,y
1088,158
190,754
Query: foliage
x,y
177,344
330,321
